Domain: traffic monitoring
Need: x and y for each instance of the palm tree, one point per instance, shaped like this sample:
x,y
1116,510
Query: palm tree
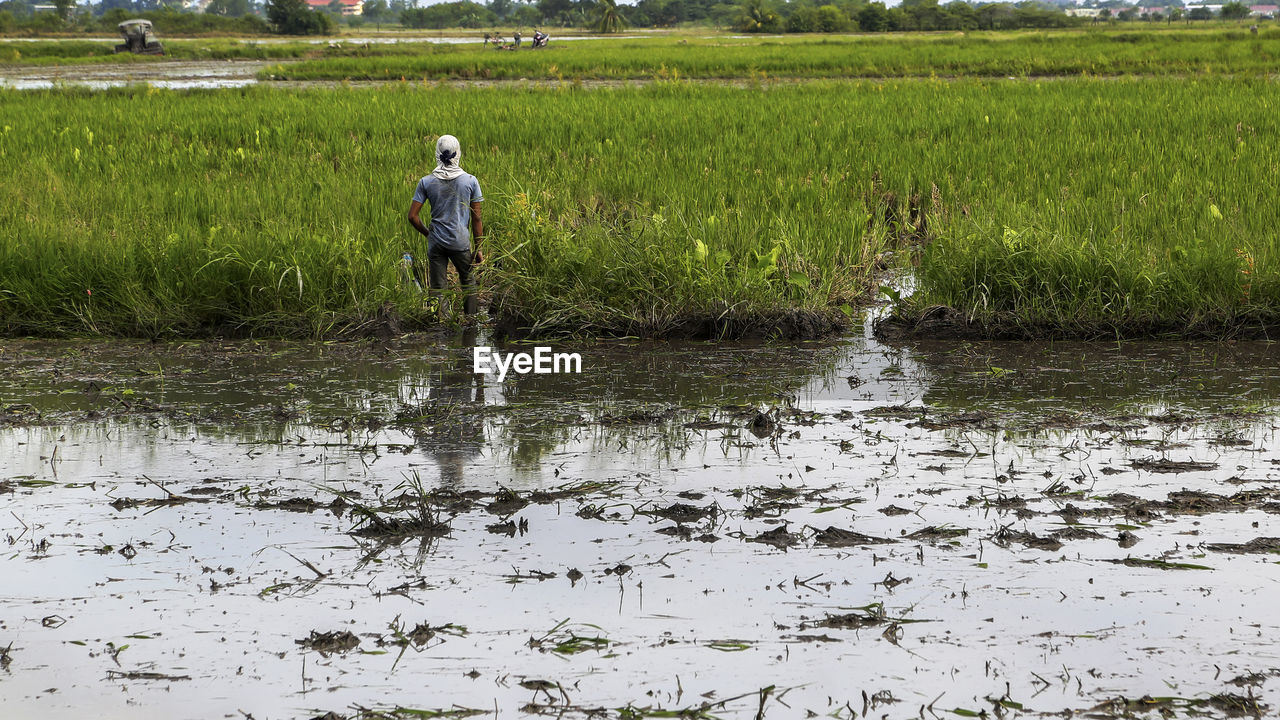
x,y
757,17
607,17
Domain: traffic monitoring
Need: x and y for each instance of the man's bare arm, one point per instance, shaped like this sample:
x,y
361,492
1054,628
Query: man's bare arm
x,y
477,231
414,219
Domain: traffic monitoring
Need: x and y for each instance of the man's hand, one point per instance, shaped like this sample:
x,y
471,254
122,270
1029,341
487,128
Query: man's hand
x,y
477,232
415,220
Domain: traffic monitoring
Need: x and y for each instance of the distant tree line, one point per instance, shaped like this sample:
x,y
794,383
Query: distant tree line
x,y
765,16
915,15
758,16
18,15
753,16
771,16
245,17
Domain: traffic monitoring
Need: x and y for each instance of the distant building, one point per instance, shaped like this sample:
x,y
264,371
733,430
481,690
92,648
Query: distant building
x,y
349,7
1264,11
1083,12
1215,9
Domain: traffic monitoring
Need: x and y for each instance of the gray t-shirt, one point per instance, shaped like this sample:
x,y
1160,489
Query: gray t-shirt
x,y
450,202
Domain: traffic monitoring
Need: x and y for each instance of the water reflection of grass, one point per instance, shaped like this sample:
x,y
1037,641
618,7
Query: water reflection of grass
x,y
1219,386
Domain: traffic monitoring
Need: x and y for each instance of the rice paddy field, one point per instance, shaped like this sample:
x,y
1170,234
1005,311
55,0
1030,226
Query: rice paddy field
x,y
986,54
1064,205
212,508
885,55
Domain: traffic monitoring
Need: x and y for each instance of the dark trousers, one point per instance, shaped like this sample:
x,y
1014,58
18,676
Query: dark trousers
x,y
438,260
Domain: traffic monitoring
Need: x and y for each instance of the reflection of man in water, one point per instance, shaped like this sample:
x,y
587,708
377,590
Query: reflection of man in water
x,y
455,434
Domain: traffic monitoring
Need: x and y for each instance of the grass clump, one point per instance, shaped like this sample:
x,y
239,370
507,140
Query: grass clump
x,y
410,514
570,639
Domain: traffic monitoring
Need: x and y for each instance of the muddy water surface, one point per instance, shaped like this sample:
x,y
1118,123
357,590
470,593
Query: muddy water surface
x,y
847,529
176,74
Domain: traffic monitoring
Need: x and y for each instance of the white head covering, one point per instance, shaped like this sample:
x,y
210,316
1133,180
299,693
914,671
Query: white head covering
x,y
448,157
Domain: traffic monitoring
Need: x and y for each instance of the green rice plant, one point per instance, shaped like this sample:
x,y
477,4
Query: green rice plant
x,y
570,639
1148,222
147,212
1065,206
1022,54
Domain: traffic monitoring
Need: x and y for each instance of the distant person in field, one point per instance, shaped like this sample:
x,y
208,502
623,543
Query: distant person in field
x,y
517,39
454,201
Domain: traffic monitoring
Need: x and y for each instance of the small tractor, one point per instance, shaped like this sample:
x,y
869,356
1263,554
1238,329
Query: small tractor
x,y
138,38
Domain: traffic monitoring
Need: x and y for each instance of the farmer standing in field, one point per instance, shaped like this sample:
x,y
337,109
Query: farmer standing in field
x,y
454,197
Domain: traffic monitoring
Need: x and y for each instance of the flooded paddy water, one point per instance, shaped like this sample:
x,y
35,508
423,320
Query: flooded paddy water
x,y
840,529
169,74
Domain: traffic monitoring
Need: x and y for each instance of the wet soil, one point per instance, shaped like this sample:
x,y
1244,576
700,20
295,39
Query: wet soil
x,y
940,322
847,529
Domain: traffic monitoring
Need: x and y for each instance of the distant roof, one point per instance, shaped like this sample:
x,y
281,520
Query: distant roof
x,y
325,3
